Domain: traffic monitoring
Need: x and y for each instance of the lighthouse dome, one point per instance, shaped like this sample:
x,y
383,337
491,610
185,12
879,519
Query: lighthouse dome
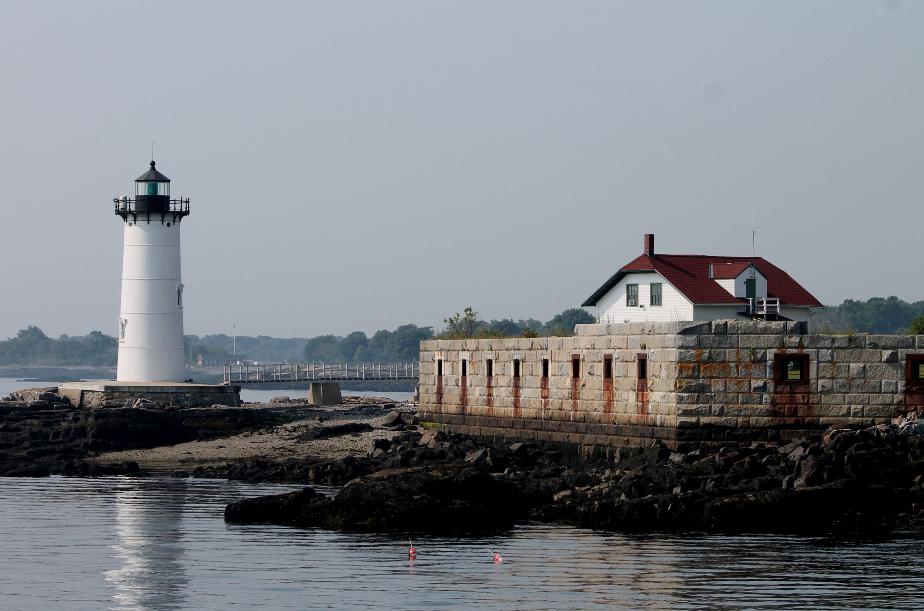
x,y
152,175
152,182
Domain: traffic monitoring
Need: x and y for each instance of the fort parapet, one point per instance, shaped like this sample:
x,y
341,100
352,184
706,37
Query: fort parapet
x,y
683,384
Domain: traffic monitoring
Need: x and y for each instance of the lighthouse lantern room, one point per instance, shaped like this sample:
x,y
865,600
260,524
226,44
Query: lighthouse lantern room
x,y
151,314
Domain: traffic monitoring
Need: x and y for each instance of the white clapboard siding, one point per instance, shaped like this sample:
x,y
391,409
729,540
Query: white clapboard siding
x,y
612,306
799,314
719,312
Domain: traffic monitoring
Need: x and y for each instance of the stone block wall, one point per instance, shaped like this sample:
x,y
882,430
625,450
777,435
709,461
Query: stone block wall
x,y
729,385
706,383
96,396
586,409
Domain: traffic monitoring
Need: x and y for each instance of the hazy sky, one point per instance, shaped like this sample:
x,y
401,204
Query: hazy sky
x,y
359,165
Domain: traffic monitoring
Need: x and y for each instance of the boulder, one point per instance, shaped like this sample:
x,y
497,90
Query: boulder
x,y
379,445
336,430
430,500
431,438
395,419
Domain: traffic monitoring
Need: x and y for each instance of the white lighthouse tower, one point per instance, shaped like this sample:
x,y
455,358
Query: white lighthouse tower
x,y
151,314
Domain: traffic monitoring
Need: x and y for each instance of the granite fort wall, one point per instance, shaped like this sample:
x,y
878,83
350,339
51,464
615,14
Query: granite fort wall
x,y
708,383
587,409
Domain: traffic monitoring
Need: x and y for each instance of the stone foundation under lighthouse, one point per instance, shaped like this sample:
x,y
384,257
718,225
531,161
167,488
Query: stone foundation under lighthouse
x,y
150,327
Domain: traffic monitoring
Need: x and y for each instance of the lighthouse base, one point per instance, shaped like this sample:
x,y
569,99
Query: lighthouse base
x,y
161,394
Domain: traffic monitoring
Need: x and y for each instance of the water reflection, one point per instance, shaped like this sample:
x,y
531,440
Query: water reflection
x,y
149,547
161,543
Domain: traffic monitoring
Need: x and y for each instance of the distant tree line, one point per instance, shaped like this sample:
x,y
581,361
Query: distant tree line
x,y
876,315
401,344
32,347
467,324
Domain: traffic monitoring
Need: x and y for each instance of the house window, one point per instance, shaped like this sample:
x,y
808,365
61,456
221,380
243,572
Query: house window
x,y
655,293
439,367
545,368
791,368
516,369
489,368
575,366
914,369
464,368
123,322
608,367
179,295
632,295
642,366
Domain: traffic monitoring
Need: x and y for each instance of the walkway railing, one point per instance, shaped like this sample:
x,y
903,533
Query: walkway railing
x,y
319,372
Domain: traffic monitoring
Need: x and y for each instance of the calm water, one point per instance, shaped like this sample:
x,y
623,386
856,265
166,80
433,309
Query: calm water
x,y
123,543
8,385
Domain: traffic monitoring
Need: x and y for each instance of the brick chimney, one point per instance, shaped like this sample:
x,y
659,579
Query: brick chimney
x,y
649,244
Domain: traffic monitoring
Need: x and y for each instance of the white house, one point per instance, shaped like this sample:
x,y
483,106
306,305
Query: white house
x,y
656,287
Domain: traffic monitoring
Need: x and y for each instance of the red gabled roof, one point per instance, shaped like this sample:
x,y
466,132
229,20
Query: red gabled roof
x,y
689,274
729,269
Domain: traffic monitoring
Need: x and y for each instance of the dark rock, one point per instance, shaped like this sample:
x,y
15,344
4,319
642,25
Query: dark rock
x,y
336,430
396,419
276,509
380,445
431,438
429,500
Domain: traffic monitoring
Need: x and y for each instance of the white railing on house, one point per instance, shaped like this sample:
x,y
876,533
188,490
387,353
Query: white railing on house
x,y
760,307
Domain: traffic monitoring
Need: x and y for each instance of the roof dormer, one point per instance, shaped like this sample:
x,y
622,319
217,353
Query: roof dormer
x,y
741,279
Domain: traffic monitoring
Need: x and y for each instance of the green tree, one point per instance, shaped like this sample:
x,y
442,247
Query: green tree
x,y
352,345
324,348
404,344
461,325
564,323
917,326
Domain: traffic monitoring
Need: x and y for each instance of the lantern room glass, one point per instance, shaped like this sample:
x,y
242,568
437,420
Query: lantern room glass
x,y
151,187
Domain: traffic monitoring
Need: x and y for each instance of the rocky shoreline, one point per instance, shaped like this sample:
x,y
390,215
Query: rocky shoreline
x,y
397,475
42,434
852,482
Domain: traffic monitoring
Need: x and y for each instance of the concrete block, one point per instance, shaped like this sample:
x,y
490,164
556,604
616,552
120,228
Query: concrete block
x,y
718,341
840,341
325,393
793,342
884,371
760,341
819,341
890,341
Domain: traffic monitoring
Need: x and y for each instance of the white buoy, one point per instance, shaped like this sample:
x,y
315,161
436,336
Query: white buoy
x,y
151,314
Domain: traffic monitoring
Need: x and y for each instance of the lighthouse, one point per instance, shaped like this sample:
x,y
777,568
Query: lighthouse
x,y
151,314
